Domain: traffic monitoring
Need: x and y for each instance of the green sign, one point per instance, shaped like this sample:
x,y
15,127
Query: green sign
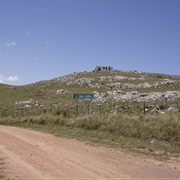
x,y
84,96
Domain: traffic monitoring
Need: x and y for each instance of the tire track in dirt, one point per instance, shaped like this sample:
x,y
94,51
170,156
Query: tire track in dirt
x,y
35,155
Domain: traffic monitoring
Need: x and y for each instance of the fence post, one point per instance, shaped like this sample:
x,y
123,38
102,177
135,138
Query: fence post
x,y
100,108
87,109
166,104
178,104
144,107
128,109
112,107
90,107
77,113
68,109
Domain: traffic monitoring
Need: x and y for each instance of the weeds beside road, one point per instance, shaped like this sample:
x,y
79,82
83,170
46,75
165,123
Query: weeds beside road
x,y
1,168
156,135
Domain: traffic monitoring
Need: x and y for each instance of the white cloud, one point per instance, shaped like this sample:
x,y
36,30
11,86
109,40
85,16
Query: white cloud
x,y
10,79
13,78
11,44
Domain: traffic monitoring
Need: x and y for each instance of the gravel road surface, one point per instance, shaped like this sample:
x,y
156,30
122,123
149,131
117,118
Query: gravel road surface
x,y
29,154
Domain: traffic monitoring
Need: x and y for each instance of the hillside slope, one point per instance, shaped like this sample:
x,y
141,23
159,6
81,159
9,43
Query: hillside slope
x,y
107,85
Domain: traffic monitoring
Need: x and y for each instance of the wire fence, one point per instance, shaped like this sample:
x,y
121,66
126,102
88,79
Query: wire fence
x,y
82,108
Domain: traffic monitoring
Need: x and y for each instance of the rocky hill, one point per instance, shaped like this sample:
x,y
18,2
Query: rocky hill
x,y
107,85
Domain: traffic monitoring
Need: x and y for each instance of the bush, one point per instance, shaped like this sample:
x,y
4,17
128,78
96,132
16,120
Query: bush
x,y
88,123
62,112
60,121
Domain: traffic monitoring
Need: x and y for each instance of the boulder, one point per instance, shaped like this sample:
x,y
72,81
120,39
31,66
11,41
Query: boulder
x,y
102,68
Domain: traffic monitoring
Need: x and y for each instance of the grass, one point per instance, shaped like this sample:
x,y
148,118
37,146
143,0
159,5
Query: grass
x,y
1,168
154,135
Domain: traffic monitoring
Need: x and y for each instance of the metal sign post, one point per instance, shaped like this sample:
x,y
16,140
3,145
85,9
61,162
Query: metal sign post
x,y
77,113
144,107
83,97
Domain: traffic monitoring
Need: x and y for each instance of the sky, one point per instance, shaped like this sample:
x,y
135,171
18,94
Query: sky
x,y
46,39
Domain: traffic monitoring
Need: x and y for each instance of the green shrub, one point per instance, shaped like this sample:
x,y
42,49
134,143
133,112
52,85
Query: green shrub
x,y
60,121
62,112
42,122
88,123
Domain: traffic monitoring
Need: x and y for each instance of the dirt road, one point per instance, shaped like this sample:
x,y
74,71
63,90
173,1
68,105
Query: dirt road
x,y
33,155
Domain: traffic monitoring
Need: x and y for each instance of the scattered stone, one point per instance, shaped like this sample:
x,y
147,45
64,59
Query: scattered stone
x,y
61,91
71,80
27,104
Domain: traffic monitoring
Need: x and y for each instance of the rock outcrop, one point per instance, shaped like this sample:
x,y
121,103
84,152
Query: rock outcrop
x,y
103,68
27,104
113,85
71,80
119,95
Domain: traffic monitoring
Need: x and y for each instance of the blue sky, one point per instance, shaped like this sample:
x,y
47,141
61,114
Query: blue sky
x,y
45,39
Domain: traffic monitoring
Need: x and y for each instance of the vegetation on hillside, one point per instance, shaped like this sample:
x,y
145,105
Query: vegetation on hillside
x,y
57,93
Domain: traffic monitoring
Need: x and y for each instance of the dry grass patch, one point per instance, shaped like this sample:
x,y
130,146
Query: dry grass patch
x,y
156,135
